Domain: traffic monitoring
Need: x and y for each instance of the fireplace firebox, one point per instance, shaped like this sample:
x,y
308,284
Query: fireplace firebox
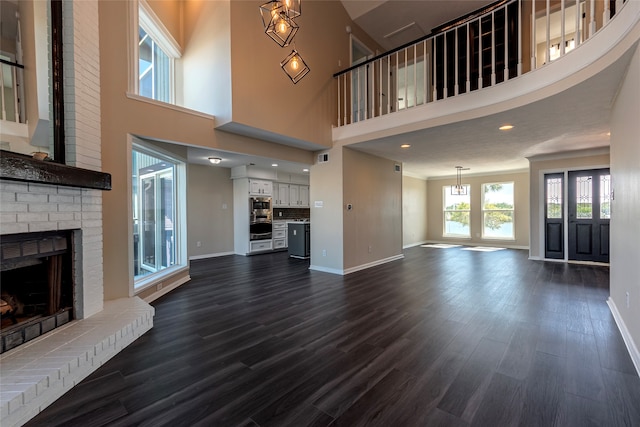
x,y
36,274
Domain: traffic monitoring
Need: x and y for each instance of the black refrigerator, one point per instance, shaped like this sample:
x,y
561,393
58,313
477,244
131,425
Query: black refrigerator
x,y
299,239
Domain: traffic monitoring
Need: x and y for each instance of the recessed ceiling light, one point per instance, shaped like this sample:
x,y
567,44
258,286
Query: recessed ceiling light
x,y
506,127
275,165
305,170
405,146
215,160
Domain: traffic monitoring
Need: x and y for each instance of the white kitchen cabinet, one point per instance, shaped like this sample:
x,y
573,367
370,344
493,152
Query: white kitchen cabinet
x,y
279,234
304,196
299,196
260,245
259,187
280,195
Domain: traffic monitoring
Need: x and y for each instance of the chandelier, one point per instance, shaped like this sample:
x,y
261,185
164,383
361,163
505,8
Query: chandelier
x,y
279,24
459,189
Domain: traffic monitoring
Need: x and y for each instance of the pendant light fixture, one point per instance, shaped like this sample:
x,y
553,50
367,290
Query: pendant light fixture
x,y
294,66
277,23
459,189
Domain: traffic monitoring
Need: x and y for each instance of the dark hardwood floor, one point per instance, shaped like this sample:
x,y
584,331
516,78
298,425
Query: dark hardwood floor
x,y
442,337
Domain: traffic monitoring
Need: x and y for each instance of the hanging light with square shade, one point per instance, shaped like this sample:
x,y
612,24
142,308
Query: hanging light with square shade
x,y
294,66
293,8
278,25
459,189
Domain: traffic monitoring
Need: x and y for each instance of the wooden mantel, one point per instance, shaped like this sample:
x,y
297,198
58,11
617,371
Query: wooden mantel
x,y
20,167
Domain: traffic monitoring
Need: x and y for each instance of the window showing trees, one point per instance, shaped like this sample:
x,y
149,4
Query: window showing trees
x,y
498,210
457,210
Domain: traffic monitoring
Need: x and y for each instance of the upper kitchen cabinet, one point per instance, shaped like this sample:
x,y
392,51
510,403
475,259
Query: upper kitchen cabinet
x,y
280,194
299,196
258,187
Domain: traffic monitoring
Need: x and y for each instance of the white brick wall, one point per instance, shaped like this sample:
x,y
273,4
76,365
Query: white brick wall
x,y
29,207
81,52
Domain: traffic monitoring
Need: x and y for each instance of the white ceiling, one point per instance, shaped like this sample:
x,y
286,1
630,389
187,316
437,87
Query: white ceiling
x,y
576,119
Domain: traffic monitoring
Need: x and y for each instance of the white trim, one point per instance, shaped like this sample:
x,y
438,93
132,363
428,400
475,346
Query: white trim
x,y
215,255
570,154
326,269
373,264
411,245
170,106
154,279
478,174
166,289
626,335
156,29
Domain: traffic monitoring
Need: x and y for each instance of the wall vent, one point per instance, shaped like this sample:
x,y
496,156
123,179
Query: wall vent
x,y
323,158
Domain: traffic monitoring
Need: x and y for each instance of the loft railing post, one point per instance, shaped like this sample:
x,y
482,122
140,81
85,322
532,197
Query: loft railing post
x,y
406,79
607,13
519,37
506,43
4,110
415,75
456,61
547,58
388,84
425,73
380,88
435,69
592,16
445,71
344,99
493,49
366,91
533,36
480,65
338,98
468,82
578,35
562,28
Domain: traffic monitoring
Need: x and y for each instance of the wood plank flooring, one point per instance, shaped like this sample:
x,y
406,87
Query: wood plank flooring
x,y
442,337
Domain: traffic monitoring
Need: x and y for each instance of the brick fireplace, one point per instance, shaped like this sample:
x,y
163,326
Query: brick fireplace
x,y
41,198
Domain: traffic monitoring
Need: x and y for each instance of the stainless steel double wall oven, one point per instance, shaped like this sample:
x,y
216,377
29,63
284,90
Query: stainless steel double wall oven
x,y
260,226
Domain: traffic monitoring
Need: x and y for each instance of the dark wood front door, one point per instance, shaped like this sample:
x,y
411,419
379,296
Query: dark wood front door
x,y
589,203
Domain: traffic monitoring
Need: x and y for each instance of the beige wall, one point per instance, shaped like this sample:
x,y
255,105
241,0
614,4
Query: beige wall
x,y
414,211
209,210
264,97
521,194
559,163
170,13
373,227
326,200
625,222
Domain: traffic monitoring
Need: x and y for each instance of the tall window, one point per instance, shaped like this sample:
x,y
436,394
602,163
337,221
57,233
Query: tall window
x,y
156,215
456,213
157,51
498,210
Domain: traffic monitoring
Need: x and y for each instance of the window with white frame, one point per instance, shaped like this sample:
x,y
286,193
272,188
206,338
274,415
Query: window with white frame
x,y
158,226
498,210
156,54
457,212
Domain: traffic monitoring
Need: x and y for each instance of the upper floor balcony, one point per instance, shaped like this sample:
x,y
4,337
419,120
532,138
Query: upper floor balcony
x,y
496,56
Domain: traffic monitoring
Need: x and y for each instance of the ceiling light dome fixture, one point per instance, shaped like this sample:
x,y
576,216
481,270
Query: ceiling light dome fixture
x,y
215,160
506,127
459,189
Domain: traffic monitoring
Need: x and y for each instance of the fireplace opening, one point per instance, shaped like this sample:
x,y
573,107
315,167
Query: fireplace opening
x,y
36,274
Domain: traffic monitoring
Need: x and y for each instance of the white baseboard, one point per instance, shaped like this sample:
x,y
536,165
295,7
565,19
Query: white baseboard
x,y
326,269
218,254
626,336
373,264
411,245
167,288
